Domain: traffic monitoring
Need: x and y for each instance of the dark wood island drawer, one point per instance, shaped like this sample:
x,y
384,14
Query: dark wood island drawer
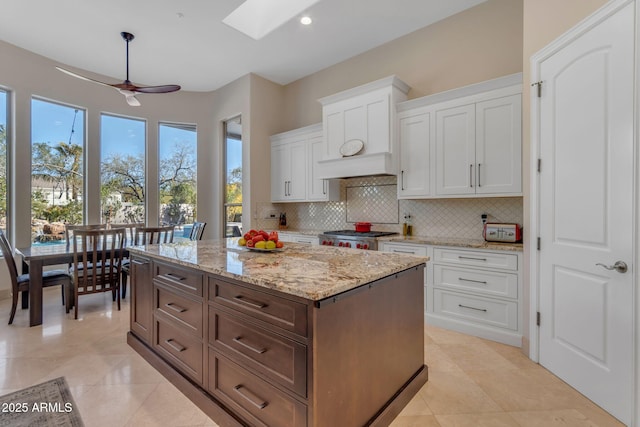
x,y
260,403
286,314
185,311
180,278
183,350
280,359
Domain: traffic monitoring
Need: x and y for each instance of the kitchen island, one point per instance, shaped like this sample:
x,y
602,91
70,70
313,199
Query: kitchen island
x,y
305,336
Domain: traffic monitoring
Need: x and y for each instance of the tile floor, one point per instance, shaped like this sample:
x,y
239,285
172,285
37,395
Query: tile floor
x,y
472,382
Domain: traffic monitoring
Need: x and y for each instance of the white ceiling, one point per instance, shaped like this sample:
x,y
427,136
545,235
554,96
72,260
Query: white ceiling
x,y
197,50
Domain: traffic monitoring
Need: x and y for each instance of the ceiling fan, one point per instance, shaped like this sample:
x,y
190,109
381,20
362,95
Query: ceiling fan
x,y
128,89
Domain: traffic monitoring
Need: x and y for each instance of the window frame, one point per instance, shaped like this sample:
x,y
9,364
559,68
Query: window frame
x,y
85,114
177,125
145,150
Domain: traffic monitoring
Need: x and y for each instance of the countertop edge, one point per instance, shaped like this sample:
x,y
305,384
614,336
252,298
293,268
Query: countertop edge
x,y
317,294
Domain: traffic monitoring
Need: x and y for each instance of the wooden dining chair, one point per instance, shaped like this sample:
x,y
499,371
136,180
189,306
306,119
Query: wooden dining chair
x,y
96,265
147,236
153,235
20,282
130,230
69,230
197,230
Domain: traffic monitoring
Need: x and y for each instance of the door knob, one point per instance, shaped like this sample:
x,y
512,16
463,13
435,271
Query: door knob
x,y
619,266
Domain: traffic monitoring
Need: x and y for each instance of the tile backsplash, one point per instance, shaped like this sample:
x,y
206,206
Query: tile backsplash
x,y
374,199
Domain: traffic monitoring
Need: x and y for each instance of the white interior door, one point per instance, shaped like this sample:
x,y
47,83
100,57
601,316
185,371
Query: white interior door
x,y
586,211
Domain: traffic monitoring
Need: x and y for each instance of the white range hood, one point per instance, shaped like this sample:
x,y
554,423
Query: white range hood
x,y
359,130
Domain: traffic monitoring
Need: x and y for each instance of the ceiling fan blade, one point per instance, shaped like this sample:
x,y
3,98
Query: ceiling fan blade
x,y
128,89
157,89
132,100
78,76
130,97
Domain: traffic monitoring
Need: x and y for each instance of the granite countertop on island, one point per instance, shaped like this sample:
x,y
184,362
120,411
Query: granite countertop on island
x,y
311,272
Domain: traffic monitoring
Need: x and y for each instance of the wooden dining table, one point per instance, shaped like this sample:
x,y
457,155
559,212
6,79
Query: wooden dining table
x,y
34,259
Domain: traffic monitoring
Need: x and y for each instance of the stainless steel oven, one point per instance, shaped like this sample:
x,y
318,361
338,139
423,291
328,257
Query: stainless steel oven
x,y
353,239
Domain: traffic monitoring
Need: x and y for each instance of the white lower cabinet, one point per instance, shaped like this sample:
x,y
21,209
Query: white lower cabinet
x,y
477,292
299,238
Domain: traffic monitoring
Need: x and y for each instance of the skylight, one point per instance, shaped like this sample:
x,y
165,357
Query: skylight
x,y
257,18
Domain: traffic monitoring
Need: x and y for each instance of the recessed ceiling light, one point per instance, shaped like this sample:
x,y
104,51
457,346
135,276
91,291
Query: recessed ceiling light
x,y
305,20
257,18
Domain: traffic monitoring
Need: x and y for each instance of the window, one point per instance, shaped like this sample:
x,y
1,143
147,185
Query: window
x,y
57,171
122,169
4,116
177,146
233,177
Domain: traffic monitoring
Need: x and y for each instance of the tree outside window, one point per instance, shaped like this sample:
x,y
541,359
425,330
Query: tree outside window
x,y
3,159
177,181
122,169
57,174
233,177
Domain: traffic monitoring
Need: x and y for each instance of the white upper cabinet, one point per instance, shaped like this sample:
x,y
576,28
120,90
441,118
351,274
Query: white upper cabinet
x,y
318,189
499,145
367,114
294,167
288,171
455,150
415,154
466,142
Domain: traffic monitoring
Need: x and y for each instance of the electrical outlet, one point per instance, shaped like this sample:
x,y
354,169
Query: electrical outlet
x,y
484,218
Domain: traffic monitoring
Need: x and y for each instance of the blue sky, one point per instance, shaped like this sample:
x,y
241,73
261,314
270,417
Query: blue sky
x,y
52,123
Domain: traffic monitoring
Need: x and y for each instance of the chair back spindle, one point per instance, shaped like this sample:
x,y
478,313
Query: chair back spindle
x,y
197,230
153,235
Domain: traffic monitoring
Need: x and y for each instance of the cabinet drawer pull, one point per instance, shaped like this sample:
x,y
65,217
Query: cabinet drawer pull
x,y
177,347
136,262
175,307
250,303
462,279
174,277
470,257
249,347
399,251
473,308
249,397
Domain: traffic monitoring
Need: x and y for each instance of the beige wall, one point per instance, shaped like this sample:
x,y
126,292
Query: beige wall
x,y
544,21
267,100
481,43
230,101
27,75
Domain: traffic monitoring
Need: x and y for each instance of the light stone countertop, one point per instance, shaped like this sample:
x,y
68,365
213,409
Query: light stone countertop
x,y
453,241
311,272
433,241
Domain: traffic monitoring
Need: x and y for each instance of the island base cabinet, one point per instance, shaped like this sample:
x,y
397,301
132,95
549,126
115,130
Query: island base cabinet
x,y
255,400
251,356
367,345
183,350
141,320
